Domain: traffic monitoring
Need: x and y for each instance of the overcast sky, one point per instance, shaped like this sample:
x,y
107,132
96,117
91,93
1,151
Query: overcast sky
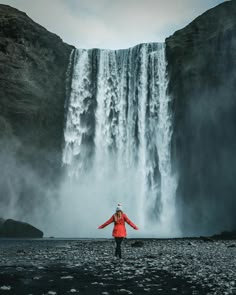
x,y
112,23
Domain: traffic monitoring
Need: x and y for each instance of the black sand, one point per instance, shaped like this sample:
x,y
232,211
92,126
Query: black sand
x,y
88,267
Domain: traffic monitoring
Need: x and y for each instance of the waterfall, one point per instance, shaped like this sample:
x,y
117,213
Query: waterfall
x,y
118,133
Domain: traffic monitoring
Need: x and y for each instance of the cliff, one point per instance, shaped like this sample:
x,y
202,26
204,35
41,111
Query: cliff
x,y
202,71
33,64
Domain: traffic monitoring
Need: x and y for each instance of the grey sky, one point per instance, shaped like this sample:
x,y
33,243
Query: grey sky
x,y
112,23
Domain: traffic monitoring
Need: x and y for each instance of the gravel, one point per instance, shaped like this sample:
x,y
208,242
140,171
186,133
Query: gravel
x,y
175,266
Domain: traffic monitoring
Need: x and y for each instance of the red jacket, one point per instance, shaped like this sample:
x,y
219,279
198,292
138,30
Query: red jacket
x,y
119,230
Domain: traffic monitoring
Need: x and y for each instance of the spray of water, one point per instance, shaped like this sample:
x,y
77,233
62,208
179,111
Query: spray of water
x,y
117,142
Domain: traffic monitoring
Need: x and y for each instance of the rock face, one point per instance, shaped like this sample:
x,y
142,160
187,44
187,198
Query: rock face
x,y
33,64
202,69
15,229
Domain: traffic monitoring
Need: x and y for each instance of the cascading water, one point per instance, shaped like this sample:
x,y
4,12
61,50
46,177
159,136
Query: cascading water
x,y
118,135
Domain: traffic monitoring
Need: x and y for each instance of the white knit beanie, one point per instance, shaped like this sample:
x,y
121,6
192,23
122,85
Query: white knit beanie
x,y
119,208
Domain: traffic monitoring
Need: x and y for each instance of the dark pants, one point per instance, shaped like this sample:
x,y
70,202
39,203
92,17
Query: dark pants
x,y
118,246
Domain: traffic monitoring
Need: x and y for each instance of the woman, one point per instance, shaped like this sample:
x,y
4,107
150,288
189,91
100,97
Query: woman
x,y
119,230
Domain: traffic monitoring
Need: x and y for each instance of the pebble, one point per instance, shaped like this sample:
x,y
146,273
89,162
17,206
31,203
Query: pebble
x,y
125,291
67,278
232,246
5,288
199,263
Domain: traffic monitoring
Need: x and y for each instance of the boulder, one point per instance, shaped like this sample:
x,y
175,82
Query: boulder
x,y
10,228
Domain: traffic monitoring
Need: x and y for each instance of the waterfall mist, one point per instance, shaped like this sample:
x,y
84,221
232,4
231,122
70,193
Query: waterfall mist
x,y
25,196
117,142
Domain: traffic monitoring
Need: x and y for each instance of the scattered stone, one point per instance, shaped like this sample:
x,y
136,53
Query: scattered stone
x,y
206,239
137,244
151,256
20,251
125,291
204,268
232,246
6,288
67,278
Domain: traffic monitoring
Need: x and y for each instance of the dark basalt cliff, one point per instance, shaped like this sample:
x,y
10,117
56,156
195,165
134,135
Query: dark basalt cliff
x,y
202,69
33,64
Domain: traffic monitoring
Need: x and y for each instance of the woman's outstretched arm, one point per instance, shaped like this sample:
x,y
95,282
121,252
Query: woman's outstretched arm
x,y
130,222
109,221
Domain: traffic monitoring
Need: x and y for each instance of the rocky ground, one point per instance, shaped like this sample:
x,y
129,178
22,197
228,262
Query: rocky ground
x,y
51,266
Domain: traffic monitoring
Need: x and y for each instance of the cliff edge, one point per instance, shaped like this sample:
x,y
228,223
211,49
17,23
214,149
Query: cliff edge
x,y
33,64
202,71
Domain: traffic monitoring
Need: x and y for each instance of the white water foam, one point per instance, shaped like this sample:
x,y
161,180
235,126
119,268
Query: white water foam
x,y
131,143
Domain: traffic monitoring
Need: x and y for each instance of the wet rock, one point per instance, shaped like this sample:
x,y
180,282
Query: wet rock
x,y
124,291
5,288
137,244
232,246
15,229
205,268
66,278
151,256
202,74
206,239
